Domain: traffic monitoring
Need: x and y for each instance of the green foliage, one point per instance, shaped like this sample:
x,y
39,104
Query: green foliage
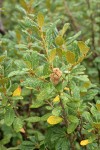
x,y
47,100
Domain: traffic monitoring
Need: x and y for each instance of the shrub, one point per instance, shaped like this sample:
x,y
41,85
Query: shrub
x,y
47,100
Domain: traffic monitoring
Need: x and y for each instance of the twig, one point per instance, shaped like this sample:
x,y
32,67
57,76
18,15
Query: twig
x,y
64,113
92,24
72,19
2,31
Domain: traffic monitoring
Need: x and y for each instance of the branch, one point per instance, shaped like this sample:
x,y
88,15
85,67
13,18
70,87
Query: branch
x,y
71,18
2,31
92,25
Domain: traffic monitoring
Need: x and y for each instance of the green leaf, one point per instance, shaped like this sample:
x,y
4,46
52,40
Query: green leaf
x,y
71,127
17,124
70,56
9,116
64,29
2,147
45,93
61,144
91,94
75,90
73,119
45,117
40,19
52,55
37,104
46,69
18,72
56,111
73,38
33,119
87,116
32,59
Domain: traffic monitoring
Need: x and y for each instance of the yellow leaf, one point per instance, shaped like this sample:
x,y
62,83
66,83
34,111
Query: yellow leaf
x,y
96,125
56,99
66,89
83,47
40,19
59,52
17,92
23,4
59,40
70,56
2,58
52,55
54,120
80,59
84,142
87,84
18,35
98,106
22,130
62,94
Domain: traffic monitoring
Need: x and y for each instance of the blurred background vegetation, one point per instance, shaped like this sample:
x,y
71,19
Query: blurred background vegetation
x,y
82,15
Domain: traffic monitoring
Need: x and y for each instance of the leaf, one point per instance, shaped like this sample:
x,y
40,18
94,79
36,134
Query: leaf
x,y
54,120
18,35
45,117
3,80
21,46
18,72
70,56
17,92
23,4
83,47
46,69
73,38
96,125
9,116
56,99
71,127
17,124
91,94
40,19
59,52
33,119
32,59
59,40
87,116
98,106
37,104
52,55
45,93
3,89
64,29
2,58
84,142
56,111
66,89
22,130
73,119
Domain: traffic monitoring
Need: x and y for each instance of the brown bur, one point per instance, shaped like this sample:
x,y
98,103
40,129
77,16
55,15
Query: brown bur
x,y
55,76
